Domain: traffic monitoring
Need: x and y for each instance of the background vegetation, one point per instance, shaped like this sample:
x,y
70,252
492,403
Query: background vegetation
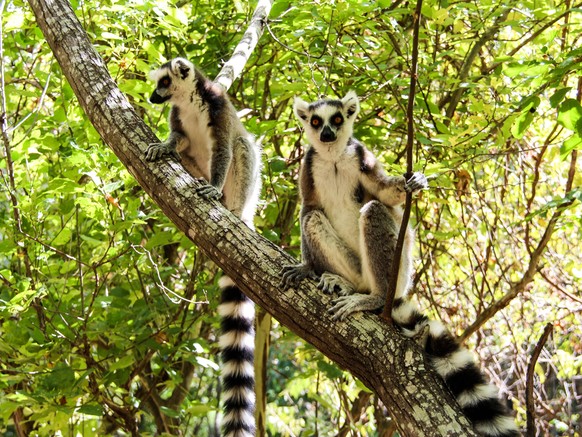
x,y
106,310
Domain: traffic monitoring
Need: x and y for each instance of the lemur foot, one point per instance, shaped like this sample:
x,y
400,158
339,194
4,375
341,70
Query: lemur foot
x,y
329,282
209,192
346,305
157,150
416,182
293,274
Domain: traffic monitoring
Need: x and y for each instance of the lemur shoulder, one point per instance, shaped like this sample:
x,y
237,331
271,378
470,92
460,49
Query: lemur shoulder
x,y
212,143
350,219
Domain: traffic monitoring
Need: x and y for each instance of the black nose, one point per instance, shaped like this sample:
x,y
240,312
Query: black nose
x,y
327,135
156,98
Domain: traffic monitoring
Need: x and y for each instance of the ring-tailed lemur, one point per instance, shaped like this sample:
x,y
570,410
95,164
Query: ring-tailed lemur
x,y
212,143
350,219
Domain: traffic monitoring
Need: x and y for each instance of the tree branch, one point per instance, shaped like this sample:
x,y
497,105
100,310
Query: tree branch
x,y
529,401
387,312
233,68
393,366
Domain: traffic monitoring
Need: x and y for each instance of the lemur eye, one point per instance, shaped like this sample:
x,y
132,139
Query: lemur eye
x,y
165,82
338,119
315,122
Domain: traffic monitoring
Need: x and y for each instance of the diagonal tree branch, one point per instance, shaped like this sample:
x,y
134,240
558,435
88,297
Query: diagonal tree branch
x,y
394,367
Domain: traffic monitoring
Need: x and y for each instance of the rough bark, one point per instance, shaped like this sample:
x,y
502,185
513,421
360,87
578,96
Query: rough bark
x,y
391,365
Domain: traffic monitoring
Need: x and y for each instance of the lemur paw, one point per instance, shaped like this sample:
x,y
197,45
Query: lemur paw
x,y
343,307
346,305
293,274
157,150
416,182
209,192
329,282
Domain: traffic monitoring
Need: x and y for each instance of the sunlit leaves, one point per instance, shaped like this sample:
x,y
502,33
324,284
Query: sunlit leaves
x,y
570,115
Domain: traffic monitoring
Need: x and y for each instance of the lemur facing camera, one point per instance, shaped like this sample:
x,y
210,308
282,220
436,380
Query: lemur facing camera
x,y
207,135
350,218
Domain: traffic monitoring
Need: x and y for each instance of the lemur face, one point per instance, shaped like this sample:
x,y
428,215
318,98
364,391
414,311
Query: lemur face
x,y
170,77
328,122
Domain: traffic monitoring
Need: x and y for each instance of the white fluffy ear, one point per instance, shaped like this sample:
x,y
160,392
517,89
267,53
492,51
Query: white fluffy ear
x,y
181,67
352,104
301,109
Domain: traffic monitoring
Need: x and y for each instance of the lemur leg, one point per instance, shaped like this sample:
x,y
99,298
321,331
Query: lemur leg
x,y
378,235
242,188
324,251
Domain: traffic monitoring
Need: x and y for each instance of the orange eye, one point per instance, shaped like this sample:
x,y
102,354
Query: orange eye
x,y
315,122
165,82
337,120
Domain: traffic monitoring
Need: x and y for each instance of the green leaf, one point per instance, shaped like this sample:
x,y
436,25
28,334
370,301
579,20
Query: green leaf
x,y
277,164
279,7
169,412
330,370
521,124
572,143
63,237
91,410
198,409
558,96
569,114
122,363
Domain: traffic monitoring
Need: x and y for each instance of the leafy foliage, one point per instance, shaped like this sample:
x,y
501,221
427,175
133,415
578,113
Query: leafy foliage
x,y
107,314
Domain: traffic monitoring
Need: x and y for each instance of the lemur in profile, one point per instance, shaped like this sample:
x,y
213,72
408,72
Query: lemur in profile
x,y
350,219
207,135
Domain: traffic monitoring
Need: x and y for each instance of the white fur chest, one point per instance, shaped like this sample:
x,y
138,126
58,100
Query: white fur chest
x,y
194,119
336,181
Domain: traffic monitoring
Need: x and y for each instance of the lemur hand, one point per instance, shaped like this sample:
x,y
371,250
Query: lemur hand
x,y
157,150
330,282
209,192
416,182
293,274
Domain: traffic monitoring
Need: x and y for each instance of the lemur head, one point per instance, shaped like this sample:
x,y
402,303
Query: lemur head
x,y
328,122
172,78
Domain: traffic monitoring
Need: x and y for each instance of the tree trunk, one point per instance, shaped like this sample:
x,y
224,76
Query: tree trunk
x,y
383,360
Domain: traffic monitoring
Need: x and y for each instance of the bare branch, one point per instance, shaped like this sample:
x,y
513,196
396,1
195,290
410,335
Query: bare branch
x,y
529,400
233,68
387,312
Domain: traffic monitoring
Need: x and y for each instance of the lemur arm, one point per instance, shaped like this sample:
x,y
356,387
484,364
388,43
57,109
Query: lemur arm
x,y
219,165
390,190
293,274
157,150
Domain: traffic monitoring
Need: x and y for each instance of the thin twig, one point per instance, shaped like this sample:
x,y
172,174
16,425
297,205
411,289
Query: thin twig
x,y
387,313
529,400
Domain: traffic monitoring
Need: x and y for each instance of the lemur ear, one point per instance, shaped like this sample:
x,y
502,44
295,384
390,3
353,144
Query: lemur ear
x,y
301,109
352,104
181,67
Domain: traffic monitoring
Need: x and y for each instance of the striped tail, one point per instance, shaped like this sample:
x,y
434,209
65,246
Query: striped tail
x,y
456,365
237,344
